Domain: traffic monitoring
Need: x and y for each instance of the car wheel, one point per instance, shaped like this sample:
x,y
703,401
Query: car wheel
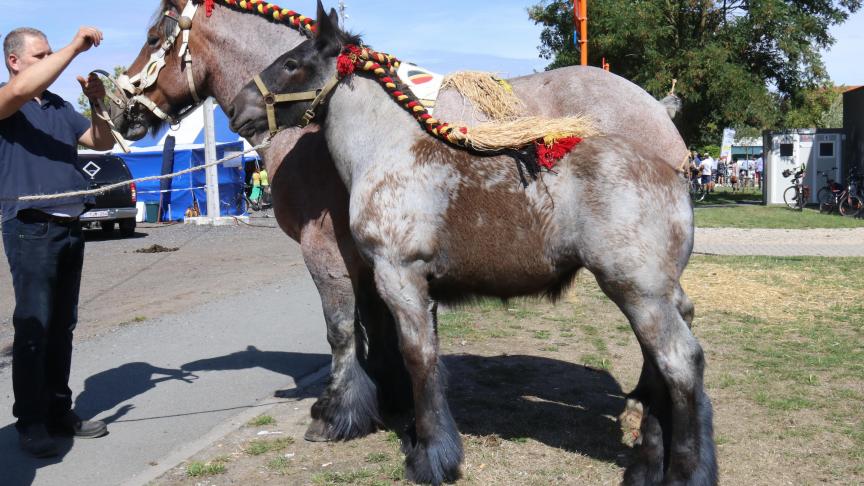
x,y
107,226
127,227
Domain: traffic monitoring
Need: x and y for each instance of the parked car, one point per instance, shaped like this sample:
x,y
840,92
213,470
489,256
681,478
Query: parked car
x,y
115,207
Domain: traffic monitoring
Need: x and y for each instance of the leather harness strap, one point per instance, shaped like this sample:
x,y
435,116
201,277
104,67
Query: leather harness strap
x,y
318,97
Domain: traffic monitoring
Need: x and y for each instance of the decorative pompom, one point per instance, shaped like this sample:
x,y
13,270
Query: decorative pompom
x,y
548,154
208,7
344,65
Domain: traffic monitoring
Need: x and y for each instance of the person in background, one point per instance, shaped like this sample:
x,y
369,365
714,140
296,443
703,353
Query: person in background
x,y
265,186
733,175
758,171
255,196
39,138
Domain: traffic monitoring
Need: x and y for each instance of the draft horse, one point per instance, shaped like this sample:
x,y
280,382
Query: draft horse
x,y
189,56
440,224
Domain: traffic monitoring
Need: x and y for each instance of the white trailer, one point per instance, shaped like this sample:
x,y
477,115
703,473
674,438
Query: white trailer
x,y
820,149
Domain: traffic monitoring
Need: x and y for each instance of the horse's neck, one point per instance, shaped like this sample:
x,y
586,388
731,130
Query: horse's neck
x,y
239,46
365,128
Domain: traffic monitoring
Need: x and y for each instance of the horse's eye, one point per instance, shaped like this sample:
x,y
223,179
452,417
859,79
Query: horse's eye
x,y
290,64
153,40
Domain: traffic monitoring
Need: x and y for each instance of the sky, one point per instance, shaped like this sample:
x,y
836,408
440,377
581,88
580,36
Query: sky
x,y
453,35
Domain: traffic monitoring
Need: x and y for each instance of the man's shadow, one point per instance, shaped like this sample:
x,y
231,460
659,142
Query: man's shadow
x,y
107,389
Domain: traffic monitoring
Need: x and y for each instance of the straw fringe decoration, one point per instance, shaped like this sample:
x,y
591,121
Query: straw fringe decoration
x,y
491,96
519,132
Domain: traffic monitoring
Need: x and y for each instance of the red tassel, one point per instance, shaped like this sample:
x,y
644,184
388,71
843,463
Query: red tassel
x,y
208,7
344,66
548,157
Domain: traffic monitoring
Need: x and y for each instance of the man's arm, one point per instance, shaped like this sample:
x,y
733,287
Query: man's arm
x,y
33,81
98,137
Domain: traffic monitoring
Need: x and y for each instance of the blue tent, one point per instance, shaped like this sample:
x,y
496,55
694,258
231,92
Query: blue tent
x,y
145,160
188,188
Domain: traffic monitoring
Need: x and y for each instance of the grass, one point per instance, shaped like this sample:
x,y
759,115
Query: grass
x,y
771,217
725,196
261,446
199,469
261,421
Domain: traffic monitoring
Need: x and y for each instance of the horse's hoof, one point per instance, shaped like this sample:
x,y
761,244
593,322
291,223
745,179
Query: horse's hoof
x,y
631,423
317,432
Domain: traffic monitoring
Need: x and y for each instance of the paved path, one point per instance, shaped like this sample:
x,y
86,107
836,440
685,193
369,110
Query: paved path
x,y
780,242
171,385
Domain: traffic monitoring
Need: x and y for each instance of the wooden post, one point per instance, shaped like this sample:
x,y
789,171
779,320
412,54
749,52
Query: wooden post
x,y
580,22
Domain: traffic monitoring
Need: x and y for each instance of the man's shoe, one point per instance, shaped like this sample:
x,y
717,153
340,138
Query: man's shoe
x,y
35,441
71,424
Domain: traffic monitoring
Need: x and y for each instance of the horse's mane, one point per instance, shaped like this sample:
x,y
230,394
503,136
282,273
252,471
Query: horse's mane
x,y
158,20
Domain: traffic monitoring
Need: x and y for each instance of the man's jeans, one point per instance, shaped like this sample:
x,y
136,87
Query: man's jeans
x,y
45,260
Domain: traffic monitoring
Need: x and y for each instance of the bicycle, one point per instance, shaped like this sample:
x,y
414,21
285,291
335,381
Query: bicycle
x,y
847,201
698,191
824,194
851,199
796,195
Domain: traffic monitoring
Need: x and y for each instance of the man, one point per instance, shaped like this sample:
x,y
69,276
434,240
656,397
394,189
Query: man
x,y
705,170
759,165
39,135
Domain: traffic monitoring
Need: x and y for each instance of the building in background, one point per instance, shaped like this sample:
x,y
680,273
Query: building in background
x,y
853,125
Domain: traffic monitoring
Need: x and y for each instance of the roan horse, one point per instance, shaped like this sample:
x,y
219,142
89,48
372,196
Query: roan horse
x,y
441,224
311,202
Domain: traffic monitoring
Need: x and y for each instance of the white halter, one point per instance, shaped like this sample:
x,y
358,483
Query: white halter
x,y
136,85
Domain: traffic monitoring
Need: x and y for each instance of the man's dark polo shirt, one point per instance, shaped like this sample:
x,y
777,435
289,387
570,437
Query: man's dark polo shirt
x,y
39,153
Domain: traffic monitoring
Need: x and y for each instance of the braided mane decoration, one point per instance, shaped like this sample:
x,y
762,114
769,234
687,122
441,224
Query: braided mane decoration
x,y
552,139
269,10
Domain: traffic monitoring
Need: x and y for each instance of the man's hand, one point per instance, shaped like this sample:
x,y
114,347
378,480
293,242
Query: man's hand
x,y
93,88
86,38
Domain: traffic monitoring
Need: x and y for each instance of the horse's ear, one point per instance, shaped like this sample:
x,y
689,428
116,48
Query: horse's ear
x,y
328,29
334,16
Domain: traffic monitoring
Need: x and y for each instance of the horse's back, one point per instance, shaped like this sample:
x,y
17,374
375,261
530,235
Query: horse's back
x,y
618,107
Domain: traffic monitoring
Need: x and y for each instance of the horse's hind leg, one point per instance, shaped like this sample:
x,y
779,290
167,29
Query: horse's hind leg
x,y
649,381
433,450
677,443
348,407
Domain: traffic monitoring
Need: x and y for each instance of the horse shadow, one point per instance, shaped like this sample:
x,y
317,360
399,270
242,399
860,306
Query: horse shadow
x,y
560,404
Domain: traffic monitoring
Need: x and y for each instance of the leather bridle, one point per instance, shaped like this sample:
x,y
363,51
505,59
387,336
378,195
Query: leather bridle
x,y
147,77
318,97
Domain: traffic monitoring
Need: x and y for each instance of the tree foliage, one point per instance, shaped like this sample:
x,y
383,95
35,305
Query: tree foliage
x,y
739,63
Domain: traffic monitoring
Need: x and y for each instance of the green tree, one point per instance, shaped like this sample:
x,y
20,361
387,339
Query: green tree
x,y
84,103
750,63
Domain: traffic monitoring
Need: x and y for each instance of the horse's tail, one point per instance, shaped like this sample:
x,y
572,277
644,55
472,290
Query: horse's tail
x,y
672,103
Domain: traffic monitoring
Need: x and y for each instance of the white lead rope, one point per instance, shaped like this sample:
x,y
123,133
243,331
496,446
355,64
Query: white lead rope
x,y
104,189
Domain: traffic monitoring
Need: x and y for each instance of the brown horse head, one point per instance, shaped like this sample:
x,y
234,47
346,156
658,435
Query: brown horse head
x,y
189,56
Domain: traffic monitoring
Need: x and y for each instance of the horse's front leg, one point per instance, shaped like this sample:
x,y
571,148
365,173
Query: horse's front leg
x,y
348,407
433,449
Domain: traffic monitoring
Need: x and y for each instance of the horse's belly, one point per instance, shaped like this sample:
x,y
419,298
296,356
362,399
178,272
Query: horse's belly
x,y
494,243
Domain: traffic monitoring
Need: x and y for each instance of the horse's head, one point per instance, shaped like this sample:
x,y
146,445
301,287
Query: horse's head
x,y
161,84
294,86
